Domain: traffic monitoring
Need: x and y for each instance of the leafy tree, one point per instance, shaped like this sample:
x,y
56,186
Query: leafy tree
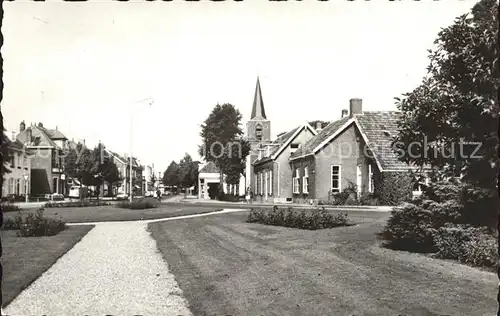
x,y
237,162
171,176
112,176
457,102
4,152
188,172
219,133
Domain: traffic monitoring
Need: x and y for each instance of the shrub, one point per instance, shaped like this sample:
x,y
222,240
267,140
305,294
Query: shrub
x,y
467,244
137,205
38,225
77,204
9,207
302,219
13,224
410,227
393,188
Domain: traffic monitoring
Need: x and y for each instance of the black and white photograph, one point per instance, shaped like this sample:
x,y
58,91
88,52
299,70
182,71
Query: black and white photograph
x,y
256,157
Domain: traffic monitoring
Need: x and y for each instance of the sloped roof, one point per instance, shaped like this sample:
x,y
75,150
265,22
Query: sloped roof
x,y
41,138
377,127
258,110
326,132
380,127
275,145
54,134
210,167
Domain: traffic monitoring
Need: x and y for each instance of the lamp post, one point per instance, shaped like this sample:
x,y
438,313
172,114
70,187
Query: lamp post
x,y
149,101
26,177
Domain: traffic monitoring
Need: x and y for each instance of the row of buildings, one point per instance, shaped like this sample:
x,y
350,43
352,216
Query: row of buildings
x,y
37,165
311,163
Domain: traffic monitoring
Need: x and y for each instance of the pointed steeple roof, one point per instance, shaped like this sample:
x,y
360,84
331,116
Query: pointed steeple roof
x,y
258,110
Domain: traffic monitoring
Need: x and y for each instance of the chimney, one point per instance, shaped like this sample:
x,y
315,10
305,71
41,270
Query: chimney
x,y
344,113
356,106
318,126
13,136
22,126
56,127
40,124
29,138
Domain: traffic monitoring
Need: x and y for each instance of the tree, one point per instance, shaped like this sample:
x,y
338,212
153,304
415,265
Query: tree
x,y
457,102
5,153
112,176
188,172
237,162
221,133
171,176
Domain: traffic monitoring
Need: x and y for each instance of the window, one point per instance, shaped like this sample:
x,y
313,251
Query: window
x,y
258,132
270,182
294,147
261,183
25,162
18,186
336,179
370,179
256,180
11,186
296,182
305,181
266,183
13,160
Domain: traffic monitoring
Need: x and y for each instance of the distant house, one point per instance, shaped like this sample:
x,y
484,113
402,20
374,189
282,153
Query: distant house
x,y
16,181
123,165
272,169
209,177
47,168
354,151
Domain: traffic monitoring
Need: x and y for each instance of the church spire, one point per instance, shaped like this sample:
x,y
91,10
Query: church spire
x,y
258,104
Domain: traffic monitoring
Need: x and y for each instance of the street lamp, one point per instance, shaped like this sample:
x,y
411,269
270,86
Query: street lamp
x,y
149,102
26,177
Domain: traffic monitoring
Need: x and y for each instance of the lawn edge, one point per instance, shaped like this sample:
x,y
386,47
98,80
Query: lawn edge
x,y
6,302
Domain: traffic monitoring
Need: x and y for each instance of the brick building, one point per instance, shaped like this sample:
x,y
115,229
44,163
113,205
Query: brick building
x,y
353,151
17,179
47,168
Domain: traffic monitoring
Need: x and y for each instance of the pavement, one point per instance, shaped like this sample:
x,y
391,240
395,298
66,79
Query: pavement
x,y
115,269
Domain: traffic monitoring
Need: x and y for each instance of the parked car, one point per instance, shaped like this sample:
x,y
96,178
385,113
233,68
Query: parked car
x,y
150,194
122,196
54,197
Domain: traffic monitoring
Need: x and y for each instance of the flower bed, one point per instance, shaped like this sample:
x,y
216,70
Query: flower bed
x,y
302,219
76,204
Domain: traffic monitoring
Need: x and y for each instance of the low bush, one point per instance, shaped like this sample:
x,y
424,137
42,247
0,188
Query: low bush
x,y
13,224
229,198
37,225
76,204
137,205
467,244
302,219
410,227
9,207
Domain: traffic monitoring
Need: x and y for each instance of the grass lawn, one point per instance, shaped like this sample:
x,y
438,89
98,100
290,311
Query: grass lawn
x,y
228,267
24,259
113,213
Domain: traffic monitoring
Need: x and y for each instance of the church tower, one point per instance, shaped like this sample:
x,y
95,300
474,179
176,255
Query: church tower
x,y
258,132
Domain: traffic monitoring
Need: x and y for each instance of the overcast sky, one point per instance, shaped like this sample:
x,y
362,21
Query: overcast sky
x,y
79,66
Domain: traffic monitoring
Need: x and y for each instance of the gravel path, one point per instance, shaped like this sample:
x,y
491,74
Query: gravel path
x,y
116,269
